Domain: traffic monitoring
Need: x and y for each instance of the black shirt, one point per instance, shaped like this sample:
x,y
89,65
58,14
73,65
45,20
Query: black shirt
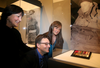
x,y
11,43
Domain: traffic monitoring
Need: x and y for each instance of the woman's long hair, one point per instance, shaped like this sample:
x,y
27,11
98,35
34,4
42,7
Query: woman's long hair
x,y
9,10
59,38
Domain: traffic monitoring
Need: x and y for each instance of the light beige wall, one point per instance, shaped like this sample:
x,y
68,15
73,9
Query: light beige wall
x,y
46,15
61,12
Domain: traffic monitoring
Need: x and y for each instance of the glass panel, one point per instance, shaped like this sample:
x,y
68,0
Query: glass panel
x,y
61,13
29,27
85,25
33,25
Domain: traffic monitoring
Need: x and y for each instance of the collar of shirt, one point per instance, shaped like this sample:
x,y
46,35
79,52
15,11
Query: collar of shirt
x,y
39,55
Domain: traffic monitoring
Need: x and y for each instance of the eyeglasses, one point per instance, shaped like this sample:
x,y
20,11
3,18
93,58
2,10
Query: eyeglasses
x,y
45,43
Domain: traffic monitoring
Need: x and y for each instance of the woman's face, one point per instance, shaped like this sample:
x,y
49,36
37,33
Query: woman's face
x,y
56,30
14,19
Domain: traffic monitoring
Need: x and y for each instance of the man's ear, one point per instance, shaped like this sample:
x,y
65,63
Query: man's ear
x,y
38,45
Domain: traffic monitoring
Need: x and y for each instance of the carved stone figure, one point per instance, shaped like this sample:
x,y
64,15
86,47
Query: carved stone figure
x,y
86,29
32,27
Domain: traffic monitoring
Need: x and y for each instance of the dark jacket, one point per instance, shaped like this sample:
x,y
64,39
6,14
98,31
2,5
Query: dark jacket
x,y
31,60
12,45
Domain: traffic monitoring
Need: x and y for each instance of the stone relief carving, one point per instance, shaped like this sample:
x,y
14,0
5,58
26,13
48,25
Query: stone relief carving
x,y
85,33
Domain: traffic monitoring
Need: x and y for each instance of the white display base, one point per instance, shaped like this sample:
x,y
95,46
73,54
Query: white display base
x,y
30,45
94,60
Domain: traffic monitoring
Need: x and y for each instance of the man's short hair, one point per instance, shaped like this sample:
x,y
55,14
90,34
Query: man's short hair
x,y
39,38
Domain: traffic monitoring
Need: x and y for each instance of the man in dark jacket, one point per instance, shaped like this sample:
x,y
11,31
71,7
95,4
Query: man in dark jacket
x,y
38,57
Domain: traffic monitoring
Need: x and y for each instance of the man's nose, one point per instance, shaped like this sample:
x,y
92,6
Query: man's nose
x,y
49,45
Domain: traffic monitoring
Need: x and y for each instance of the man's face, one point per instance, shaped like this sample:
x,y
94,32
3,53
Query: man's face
x,y
44,46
